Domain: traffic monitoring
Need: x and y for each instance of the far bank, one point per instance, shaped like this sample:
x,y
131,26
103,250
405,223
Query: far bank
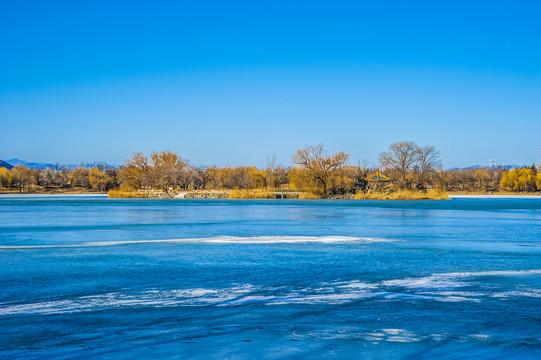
x,y
268,194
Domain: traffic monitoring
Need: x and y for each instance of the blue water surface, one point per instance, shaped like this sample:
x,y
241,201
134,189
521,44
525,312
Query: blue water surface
x,y
91,277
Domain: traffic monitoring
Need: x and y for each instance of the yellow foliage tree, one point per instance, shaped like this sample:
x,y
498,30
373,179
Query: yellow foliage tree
x,y
258,177
168,170
523,179
301,179
23,177
345,179
5,178
134,173
99,180
482,179
79,178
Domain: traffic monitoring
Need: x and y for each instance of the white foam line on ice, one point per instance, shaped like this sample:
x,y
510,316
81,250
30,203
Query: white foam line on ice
x,y
492,273
152,298
452,280
436,287
495,197
217,240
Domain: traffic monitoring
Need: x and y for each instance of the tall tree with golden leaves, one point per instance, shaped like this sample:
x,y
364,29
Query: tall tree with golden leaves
x,y
134,173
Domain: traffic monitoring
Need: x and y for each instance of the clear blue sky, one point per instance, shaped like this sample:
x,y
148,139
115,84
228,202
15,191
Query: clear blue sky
x,y
231,82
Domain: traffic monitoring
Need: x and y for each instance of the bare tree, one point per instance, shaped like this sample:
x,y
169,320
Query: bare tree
x,y
401,156
270,181
209,177
239,178
428,161
280,176
138,160
319,165
168,169
199,176
49,177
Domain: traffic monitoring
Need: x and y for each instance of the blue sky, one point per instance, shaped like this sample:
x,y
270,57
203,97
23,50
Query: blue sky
x,y
230,83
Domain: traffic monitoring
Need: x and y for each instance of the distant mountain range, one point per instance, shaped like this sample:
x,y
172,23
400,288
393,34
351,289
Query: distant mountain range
x,y
33,165
480,166
9,164
5,165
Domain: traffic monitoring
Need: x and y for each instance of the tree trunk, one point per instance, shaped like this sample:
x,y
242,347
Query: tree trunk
x,y
324,185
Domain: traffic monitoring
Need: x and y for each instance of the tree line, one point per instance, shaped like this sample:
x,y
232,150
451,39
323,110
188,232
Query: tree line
x,y
97,178
313,170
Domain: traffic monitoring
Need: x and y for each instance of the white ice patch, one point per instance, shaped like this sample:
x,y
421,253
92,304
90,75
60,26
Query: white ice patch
x,y
436,287
534,293
374,336
355,284
438,281
452,280
151,298
495,197
217,240
495,273
445,287
333,298
393,335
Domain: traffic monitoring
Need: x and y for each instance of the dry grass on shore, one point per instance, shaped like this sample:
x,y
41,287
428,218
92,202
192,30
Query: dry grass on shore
x,y
251,194
513,193
309,196
125,194
264,194
403,195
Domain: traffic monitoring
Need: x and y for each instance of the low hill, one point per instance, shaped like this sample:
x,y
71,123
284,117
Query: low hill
x,y
33,165
473,167
6,165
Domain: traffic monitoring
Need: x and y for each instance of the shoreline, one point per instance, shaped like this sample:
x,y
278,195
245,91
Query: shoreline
x,y
209,195
518,196
6,195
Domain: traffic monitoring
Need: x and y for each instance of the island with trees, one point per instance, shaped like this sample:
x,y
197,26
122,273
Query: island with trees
x,y
410,172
